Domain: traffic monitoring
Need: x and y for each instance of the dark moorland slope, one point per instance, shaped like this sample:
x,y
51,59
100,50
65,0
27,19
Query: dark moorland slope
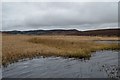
x,y
100,32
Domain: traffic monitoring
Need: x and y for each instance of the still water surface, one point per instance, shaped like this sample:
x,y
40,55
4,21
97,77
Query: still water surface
x,y
108,41
102,64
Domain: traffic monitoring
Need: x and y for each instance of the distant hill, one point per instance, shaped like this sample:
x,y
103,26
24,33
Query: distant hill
x,y
100,32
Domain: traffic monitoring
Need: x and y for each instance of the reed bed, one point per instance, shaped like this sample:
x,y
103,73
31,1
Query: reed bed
x,y
17,47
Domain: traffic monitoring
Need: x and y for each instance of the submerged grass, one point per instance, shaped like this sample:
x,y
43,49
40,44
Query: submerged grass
x,y
16,47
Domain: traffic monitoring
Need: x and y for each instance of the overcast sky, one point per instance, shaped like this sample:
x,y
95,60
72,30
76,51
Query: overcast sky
x,y
59,15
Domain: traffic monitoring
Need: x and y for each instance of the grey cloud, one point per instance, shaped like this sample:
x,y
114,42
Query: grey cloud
x,y
59,15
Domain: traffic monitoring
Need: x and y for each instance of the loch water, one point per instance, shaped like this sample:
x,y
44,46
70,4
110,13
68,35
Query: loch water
x,y
102,64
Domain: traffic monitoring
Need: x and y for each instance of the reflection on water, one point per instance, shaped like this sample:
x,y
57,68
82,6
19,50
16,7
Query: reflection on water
x,y
102,64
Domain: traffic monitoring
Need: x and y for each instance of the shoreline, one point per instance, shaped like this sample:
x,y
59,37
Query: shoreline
x,y
17,47
53,56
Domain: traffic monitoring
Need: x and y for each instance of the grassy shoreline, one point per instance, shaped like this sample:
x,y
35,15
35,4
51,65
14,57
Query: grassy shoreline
x,y
16,47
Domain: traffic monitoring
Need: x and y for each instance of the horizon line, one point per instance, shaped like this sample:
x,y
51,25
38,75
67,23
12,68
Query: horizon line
x,y
59,29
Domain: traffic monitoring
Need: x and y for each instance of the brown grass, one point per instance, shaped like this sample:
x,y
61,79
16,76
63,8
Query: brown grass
x,y
16,47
